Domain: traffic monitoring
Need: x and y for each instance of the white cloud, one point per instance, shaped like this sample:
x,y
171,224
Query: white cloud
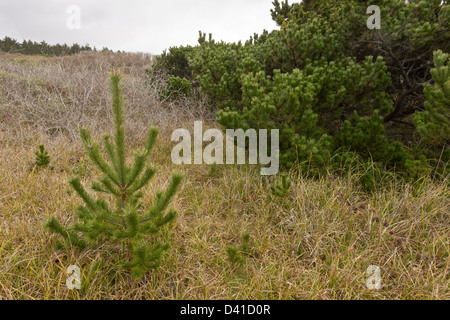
x,y
135,25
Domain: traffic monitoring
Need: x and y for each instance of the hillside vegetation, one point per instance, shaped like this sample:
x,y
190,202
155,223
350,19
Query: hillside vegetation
x,y
364,184
338,91
317,241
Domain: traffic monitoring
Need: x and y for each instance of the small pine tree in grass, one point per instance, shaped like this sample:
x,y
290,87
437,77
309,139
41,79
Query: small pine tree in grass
x,y
42,157
128,222
236,254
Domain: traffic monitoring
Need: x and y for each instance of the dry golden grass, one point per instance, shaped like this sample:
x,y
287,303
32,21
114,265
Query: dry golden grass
x,y
315,243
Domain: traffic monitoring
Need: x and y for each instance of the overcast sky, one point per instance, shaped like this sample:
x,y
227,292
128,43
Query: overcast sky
x,y
133,25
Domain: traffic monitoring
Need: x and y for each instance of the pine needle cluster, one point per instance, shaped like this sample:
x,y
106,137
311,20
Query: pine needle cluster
x,y
42,158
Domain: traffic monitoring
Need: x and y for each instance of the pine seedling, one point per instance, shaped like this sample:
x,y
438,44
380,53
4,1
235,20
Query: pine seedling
x,y
124,220
42,157
282,189
236,254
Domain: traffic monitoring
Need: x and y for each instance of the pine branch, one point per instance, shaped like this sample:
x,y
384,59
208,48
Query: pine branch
x,y
78,187
140,183
42,157
163,200
70,237
118,112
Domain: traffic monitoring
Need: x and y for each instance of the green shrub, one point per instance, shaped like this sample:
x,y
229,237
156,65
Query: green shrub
x,y
174,63
433,124
177,87
329,83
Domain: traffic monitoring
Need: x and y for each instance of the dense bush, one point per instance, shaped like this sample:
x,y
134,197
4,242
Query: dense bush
x,y
175,63
329,83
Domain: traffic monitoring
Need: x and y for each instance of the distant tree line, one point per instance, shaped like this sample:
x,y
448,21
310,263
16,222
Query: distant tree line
x,y
29,47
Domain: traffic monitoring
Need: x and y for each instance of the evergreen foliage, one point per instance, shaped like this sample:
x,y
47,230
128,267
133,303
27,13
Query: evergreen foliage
x,y
177,87
331,84
127,222
42,157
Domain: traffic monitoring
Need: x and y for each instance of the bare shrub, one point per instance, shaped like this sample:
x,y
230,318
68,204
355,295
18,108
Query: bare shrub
x,y
57,95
